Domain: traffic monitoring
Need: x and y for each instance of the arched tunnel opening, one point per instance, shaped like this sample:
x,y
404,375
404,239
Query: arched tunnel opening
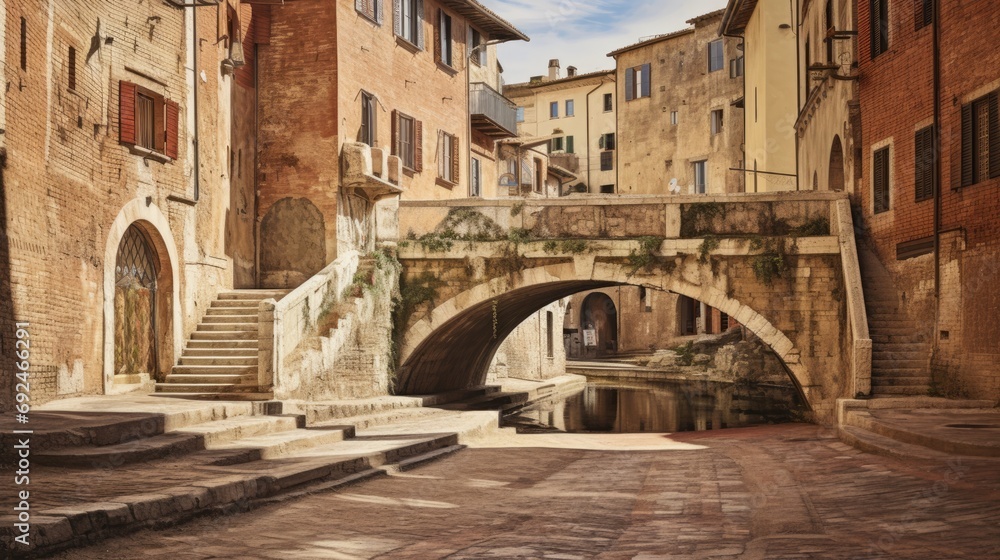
x,y
457,354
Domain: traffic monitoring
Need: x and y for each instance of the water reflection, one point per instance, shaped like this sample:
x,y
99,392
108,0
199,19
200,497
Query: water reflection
x,y
661,406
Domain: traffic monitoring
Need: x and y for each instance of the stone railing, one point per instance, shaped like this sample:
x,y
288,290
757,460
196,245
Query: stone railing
x,y
286,323
861,342
371,170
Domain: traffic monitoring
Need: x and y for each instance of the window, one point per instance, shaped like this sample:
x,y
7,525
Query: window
x,y
556,145
607,141
369,129
607,161
645,306
924,162
569,145
147,120
475,178
608,103
879,26
715,56
980,140
550,339
607,189
24,44
408,20
71,68
637,82
371,9
736,67
448,158
442,39
829,27
673,118
699,177
923,13
569,108
716,118
880,180
407,141
520,114
477,55
554,110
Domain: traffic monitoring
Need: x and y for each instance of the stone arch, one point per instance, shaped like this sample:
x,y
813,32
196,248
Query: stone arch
x,y
836,179
468,321
292,243
148,218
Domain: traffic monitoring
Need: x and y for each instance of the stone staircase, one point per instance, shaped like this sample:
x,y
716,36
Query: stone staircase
x,y
220,361
900,348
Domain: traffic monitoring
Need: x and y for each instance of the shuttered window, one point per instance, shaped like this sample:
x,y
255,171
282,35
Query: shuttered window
x,y
147,120
477,47
475,178
369,122
371,9
637,82
442,39
923,13
880,180
923,158
607,161
408,19
448,168
569,145
980,140
715,55
407,141
879,12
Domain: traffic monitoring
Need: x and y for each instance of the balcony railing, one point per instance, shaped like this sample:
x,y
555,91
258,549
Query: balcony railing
x,y
492,114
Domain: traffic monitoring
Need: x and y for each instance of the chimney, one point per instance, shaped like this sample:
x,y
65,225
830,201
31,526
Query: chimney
x,y
570,71
554,69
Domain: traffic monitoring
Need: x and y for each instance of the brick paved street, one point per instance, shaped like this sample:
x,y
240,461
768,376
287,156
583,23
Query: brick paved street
x,y
790,491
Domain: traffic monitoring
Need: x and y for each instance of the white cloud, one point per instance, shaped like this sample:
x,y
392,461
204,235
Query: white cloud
x,y
581,33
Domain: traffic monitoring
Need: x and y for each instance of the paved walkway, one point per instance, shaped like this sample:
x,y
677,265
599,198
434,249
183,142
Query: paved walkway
x,y
791,491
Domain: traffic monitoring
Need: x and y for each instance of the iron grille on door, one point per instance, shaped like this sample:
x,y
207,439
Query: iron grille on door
x,y
135,305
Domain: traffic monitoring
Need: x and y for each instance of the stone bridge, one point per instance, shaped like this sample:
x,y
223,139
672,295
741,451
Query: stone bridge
x,y
782,264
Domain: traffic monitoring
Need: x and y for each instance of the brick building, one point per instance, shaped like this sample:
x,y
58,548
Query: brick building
x,y
931,168
120,221
677,111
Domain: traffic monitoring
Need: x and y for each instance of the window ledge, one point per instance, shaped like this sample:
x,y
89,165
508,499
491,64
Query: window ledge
x,y
406,44
368,18
442,182
446,68
146,153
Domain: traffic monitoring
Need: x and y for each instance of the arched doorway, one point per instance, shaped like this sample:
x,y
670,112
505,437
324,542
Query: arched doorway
x,y
599,317
135,305
836,182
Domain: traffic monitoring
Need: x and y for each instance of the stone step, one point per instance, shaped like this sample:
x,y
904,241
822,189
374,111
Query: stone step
x,y
229,319
896,430
902,347
225,335
913,381
889,363
216,360
173,444
880,445
240,304
224,390
256,396
892,371
249,344
253,295
893,339
909,390
232,310
887,353
282,444
228,327
894,330
211,370
210,379
234,351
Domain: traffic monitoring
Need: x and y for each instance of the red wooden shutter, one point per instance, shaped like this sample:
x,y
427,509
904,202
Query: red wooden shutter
x,y
967,145
455,167
418,145
126,112
173,112
159,123
994,134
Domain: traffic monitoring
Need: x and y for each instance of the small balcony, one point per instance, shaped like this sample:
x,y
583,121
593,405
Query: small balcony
x,y
491,113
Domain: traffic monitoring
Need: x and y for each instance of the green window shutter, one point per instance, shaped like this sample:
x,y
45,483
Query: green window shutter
x,y
569,144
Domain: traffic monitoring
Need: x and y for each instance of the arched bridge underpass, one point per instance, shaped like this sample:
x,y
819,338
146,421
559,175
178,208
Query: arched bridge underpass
x,y
783,264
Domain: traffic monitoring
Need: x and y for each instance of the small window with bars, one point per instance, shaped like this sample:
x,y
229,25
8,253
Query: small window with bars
x,y
607,161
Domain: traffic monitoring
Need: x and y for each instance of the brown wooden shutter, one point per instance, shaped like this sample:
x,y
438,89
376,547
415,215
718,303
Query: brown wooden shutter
x,y
880,181
967,134
876,27
126,112
994,135
173,113
924,164
438,53
418,145
918,14
395,134
455,167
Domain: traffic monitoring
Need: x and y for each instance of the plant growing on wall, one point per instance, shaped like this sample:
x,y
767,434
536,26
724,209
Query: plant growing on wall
x,y
645,256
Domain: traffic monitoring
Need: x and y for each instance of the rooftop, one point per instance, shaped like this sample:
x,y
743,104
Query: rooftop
x,y
561,81
695,22
737,14
486,20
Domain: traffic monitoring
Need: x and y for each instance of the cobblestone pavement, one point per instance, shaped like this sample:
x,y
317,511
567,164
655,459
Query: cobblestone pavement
x,y
791,491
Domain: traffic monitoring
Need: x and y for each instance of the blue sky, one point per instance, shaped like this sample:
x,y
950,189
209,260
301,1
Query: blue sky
x,y
581,32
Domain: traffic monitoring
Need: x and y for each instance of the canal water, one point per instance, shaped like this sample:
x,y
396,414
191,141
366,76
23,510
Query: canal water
x,y
660,406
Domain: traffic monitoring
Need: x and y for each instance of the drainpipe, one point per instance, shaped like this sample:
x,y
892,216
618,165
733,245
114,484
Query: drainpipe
x,y
256,162
936,34
194,71
587,115
793,12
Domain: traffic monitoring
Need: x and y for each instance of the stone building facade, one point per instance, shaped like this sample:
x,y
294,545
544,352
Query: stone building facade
x,y
576,113
678,112
930,157
120,221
